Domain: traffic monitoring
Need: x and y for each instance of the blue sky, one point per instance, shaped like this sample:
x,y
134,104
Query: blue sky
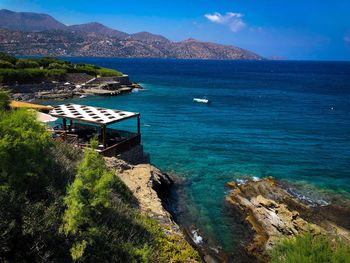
x,y
296,29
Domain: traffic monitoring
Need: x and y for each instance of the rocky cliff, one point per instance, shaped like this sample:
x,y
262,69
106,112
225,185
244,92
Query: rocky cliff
x,y
147,183
274,213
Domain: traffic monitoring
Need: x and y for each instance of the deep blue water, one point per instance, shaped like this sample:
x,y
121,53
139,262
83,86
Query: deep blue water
x,y
290,120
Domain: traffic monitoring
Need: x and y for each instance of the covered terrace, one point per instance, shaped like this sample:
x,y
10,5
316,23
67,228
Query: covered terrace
x,y
81,123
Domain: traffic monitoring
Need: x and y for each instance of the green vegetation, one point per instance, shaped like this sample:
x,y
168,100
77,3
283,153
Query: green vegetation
x,y
4,100
59,204
5,64
29,70
311,249
26,63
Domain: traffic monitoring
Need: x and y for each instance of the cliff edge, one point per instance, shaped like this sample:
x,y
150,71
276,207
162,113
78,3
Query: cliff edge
x,y
147,183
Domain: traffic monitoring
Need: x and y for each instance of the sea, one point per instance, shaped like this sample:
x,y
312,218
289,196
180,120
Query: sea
x,y
285,119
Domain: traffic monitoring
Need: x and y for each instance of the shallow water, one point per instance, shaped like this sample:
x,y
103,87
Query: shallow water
x,y
290,120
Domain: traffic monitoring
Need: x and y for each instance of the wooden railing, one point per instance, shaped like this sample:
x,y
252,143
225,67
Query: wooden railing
x,y
131,140
121,147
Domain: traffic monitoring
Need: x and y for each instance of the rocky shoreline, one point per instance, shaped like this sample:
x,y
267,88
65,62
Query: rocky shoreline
x,y
274,213
150,187
74,85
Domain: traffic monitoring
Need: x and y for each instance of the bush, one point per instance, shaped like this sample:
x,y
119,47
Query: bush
x,y
4,100
5,64
7,57
25,140
56,74
56,65
26,63
23,75
106,72
34,173
46,61
311,249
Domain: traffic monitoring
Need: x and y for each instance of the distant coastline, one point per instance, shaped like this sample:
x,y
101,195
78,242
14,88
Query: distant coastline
x,y
33,34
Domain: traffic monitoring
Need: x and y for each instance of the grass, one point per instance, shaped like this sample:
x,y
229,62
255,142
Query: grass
x,y
308,248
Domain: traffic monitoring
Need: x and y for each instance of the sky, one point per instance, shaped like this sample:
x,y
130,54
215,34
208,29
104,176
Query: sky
x,y
295,29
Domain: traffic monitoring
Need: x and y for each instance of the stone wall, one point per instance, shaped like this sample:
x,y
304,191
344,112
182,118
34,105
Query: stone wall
x,y
134,156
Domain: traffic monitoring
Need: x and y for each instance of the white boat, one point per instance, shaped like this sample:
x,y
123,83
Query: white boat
x,y
82,96
201,100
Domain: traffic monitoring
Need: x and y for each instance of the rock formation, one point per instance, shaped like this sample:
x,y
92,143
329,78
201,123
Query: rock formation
x,y
147,183
273,213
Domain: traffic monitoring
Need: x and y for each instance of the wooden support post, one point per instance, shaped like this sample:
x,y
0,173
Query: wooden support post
x,y
138,125
64,124
65,129
103,127
70,125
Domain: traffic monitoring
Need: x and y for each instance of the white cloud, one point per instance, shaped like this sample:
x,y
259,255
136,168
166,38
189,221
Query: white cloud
x,y
233,20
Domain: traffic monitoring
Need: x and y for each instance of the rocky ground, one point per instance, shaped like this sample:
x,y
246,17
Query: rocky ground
x,y
148,184
274,213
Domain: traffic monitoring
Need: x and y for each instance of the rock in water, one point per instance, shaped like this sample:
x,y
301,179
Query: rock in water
x,y
274,213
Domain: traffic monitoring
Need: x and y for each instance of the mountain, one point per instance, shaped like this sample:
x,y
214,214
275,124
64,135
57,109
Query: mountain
x,y
98,28
25,21
149,37
194,49
34,34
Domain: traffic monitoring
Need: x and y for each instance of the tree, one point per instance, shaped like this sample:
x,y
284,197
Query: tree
x,y
23,140
32,186
87,197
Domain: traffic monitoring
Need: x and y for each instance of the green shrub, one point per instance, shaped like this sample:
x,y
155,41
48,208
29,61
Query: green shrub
x,y
311,249
46,61
106,72
56,74
28,75
4,100
5,64
56,65
7,57
23,63
25,140
34,173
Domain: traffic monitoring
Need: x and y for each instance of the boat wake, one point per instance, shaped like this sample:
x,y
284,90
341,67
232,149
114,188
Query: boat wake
x,y
201,100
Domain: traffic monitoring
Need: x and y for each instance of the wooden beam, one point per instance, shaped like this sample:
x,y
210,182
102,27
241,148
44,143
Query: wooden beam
x,y
64,124
70,125
65,129
103,127
138,125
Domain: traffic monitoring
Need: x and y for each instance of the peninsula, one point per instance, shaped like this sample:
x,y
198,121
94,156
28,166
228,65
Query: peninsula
x,y
52,78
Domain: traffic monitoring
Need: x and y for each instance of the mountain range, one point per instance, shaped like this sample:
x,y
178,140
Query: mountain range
x,y
33,34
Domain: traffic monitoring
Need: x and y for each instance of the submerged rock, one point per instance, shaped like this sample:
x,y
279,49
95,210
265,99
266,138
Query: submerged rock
x,y
274,213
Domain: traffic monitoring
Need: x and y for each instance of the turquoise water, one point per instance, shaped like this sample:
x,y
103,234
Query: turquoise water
x,y
290,120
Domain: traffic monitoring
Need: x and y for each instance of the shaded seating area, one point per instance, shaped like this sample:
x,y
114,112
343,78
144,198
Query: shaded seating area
x,y
81,123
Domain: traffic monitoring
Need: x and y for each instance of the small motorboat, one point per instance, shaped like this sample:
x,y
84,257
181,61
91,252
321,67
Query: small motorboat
x,y
82,96
201,100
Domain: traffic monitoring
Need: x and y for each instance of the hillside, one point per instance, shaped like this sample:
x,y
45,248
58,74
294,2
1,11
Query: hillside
x,y
98,28
32,34
63,204
26,21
